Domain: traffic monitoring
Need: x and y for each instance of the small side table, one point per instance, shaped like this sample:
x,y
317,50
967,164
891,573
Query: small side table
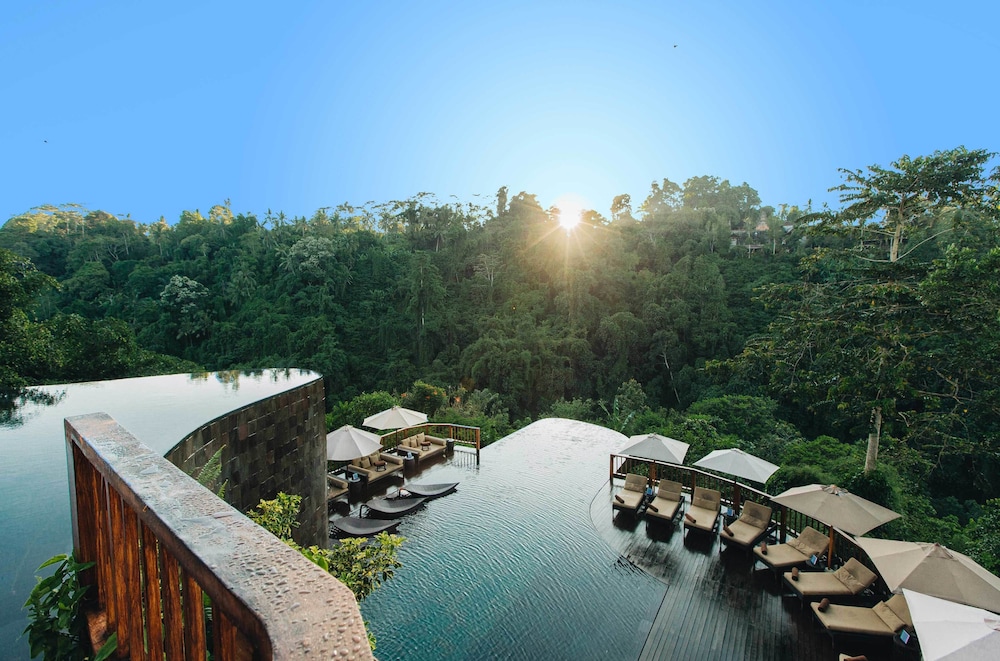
x,y
355,486
409,461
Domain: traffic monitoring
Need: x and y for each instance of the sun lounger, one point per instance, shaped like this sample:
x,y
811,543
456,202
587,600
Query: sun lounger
x,y
392,508
352,526
795,552
666,505
882,621
849,581
631,495
427,490
744,532
703,515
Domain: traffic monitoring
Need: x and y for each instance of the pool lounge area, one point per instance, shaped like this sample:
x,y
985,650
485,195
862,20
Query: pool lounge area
x,y
527,561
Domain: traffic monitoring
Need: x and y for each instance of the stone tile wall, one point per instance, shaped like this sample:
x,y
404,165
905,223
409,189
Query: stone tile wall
x,y
277,444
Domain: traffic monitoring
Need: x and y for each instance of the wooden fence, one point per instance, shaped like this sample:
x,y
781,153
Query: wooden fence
x,y
179,573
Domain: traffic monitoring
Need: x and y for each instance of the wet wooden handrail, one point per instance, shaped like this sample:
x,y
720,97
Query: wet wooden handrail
x,y
159,541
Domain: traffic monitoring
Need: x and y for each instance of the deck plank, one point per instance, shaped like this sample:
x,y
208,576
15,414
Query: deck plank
x,y
715,606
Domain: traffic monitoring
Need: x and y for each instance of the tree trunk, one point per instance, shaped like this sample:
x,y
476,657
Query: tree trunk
x,y
871,456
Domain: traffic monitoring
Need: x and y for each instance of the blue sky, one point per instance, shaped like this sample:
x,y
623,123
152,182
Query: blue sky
x,y
153,108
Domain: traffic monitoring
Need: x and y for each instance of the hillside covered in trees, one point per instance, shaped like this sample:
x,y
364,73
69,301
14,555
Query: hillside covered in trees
x,y
853,345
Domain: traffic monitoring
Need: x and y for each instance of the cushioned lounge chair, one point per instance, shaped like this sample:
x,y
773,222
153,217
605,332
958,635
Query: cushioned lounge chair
x,y
847,582
335,487
426,490
631,495
883,620
795,552
352,526
744,532
392,508
667,503
703,515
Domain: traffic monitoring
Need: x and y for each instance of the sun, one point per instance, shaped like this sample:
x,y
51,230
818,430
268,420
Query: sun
x,y
571,207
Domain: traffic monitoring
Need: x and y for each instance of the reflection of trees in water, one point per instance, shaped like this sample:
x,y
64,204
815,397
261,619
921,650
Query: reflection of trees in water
x,y
12,407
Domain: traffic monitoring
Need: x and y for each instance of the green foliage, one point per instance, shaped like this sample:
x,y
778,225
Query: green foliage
x,y
354,411
983,534
481,408
57,628
584,410
278,516
360,563
751,420
210,473
424,397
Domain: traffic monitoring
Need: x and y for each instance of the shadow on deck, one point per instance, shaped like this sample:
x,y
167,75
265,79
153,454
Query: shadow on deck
x,y
715,606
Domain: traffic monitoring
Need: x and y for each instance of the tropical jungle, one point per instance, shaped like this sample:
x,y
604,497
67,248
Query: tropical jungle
x,y
854,345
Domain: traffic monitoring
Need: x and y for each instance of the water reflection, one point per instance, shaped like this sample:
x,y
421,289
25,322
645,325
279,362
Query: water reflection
x,y
12,414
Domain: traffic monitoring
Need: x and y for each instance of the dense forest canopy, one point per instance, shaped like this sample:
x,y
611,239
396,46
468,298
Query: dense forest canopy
x,y
847,345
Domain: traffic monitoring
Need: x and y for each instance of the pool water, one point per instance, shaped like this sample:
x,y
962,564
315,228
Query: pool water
x,y
34,488
510,566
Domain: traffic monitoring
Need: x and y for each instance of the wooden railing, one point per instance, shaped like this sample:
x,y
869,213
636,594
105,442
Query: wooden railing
x,y
161,543
460,434
733,493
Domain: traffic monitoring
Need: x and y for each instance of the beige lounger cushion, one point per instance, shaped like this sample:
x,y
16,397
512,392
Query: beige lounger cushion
x,y
632,493
705,507
667,501
830,584
795,551
810,542
884,619
750,526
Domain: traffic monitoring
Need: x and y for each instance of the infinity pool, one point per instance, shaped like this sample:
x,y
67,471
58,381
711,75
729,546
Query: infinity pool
x,y
510,566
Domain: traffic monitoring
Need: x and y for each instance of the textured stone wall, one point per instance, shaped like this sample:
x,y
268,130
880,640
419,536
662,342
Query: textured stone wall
x,y
277,444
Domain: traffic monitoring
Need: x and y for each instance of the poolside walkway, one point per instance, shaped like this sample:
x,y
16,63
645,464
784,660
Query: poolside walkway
x,y
714,608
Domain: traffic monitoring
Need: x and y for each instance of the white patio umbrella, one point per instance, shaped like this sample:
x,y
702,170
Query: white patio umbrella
x,y
835,507
951,631
657,448
350,442
933,570
395,418
739,463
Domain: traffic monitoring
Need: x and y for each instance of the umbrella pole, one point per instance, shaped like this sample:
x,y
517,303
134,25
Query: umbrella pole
x,y
829,554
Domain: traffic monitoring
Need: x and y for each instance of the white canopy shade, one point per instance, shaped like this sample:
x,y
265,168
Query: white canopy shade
x,y
739,463
950,631
657,448
933,570
395,418
349,443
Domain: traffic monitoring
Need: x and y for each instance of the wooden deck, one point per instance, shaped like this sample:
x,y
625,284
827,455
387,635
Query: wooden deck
x,y
715,607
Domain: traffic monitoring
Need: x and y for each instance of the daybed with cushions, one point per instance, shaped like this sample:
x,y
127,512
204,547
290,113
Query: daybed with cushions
x,y
376,466
795,552
667,503
631,495
849,581
422,445
703,514
883,620
754,522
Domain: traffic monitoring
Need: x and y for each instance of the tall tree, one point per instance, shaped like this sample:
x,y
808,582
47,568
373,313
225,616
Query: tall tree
x,y
855,334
